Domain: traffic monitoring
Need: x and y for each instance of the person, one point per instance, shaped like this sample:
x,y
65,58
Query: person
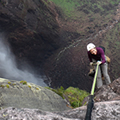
x,y
97,55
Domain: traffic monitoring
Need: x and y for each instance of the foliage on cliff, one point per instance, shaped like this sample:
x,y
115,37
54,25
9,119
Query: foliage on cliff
x,y
87,15
74,96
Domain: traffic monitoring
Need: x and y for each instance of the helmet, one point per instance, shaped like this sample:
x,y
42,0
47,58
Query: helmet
x,y
90,46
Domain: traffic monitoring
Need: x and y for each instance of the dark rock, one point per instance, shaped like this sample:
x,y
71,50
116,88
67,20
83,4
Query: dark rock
x,y
31,29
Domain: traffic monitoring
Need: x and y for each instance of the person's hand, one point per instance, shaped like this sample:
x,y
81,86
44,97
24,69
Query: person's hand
x,y
99,62
91,63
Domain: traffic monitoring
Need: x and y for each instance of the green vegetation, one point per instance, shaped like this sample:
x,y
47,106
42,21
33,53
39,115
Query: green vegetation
x,y
88,6
86,16
9,82
37,88
29,86
2,86
7,86
13,84
59,91
75,96
113,2
23,82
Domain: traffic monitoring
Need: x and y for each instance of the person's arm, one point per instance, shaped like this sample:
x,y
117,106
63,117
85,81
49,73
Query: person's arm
x,y
102,56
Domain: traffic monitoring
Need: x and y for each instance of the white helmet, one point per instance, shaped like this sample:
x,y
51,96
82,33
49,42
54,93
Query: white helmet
x,y
90,46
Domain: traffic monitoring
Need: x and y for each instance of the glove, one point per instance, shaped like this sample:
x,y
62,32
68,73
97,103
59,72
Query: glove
x,y
91,63
99,62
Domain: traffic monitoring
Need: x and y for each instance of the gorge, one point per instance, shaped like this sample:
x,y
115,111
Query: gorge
x,y
44,42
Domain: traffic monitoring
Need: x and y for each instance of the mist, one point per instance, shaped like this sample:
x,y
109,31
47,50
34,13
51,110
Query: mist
x,y
9,70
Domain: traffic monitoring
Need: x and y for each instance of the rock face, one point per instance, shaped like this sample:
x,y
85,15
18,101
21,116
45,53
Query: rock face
x,y
21,94
30,114
108,108
106,111
38,33
109,93
31,29
101,111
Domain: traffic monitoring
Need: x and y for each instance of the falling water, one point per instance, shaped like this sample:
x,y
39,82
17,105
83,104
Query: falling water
x,y
9,70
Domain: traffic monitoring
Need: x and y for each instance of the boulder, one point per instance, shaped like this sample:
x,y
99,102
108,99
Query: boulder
x,y
101,111
108,92
106,111
21,94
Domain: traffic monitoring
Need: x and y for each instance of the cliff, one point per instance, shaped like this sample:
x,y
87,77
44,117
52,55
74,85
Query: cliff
x,y
53,38
29,27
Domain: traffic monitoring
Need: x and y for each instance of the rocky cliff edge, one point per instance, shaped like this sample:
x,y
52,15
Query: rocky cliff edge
x,y
41,104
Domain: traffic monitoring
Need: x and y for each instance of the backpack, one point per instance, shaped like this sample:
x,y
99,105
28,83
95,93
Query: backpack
x,y
106,57
102,48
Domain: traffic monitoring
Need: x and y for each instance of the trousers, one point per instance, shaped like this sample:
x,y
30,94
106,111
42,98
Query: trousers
x,y
103,69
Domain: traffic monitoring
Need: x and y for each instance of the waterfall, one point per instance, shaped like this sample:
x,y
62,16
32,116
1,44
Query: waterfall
x,y
9,70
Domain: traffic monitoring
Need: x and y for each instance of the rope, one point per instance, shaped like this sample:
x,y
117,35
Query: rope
x,y
91,102
94,82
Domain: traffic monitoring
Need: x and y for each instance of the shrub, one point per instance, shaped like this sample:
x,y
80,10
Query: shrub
x,y
59,91
75,96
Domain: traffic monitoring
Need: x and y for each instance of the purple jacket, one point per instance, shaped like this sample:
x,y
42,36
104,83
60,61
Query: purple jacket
x,y
99,57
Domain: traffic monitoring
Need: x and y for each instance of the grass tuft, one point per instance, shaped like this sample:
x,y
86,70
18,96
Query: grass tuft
x,y
23,82
7,86
29,86
2,86
37,88
9,82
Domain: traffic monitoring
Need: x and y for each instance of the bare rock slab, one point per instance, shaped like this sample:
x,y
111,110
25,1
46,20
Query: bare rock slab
x,y
20,94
